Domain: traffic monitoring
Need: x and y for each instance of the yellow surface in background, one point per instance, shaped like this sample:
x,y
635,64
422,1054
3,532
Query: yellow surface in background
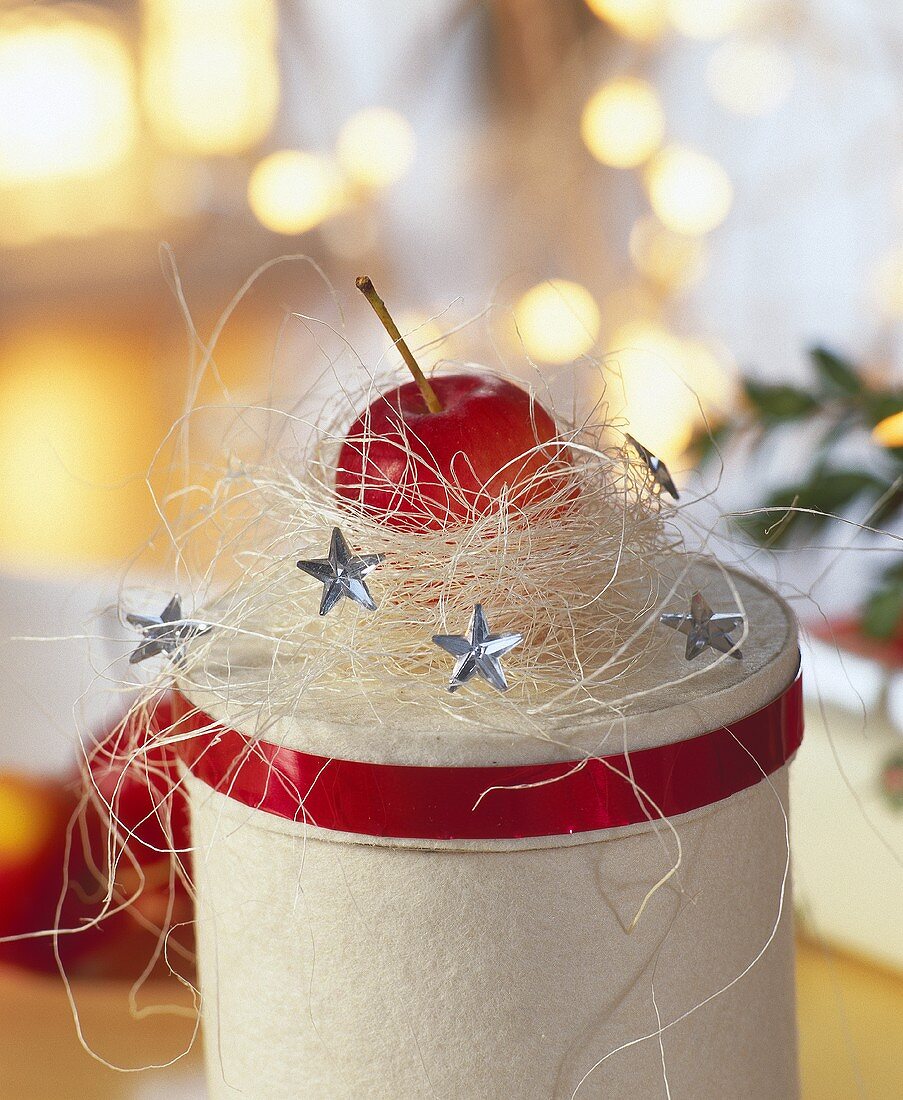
x,y
850,1027
850,1021
40,1054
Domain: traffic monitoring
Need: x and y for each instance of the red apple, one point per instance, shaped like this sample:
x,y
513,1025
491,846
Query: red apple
x,y
133,790
433,453
136,780
419,469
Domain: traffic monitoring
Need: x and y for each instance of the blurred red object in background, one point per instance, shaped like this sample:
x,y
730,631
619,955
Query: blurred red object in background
x,y
849,635
121,830
137,781
34,816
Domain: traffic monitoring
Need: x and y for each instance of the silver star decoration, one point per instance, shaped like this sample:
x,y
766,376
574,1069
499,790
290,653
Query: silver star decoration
x,y
478,652
342,574
165,633
660,473
704,628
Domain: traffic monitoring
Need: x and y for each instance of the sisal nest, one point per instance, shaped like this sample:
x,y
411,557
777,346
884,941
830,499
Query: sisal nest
x,y
580,570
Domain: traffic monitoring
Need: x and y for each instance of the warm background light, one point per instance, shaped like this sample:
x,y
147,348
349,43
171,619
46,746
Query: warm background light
x,y
706,19
558,321
668,259
660,384
425,337
642,20
211,77
66,97
293,191
75,208
690,192
375,147
711,372
750,77
644,387
79,421
889,433
623,123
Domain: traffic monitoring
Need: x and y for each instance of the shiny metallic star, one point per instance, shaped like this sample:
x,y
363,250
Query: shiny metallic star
x,y
703,628
660,474
478,653
166,633
342,574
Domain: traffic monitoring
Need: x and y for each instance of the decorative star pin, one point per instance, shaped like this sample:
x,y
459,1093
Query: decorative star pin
x,y
342,574
660,473
704,628
165,633
478,652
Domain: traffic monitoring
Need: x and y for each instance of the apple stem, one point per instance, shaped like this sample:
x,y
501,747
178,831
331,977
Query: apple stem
x,y
365,286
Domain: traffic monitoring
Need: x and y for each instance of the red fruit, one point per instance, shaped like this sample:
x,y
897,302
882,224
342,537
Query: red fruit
x,y
133,792
416,469
34,814
136,780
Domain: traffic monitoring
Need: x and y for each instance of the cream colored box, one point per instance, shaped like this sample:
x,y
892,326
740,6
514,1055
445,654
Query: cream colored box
x,y
343,966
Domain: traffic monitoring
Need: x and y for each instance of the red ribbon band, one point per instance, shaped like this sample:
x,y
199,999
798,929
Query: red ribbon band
x,y
500,802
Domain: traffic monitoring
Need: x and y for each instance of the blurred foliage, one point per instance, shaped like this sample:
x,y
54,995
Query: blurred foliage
x,y
840,403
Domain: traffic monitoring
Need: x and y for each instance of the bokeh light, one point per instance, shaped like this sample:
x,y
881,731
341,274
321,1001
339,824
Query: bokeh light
x,y
750,77
291,191
649,369
642,20
644,376
711,372
426,338
623,123
558,321
211,75
889,433
420,331
79,421
706,19
668,259
67,103
375,147
115,200
690,192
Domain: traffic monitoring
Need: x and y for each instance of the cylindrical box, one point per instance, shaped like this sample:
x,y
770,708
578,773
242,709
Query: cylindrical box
x,y
342,964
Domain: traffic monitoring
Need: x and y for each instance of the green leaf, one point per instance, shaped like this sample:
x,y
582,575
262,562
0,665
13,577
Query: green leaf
x,y
888,510
775,404
883,615
832,490
838,376
880,405
703,445
775,523
811,504
838,429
